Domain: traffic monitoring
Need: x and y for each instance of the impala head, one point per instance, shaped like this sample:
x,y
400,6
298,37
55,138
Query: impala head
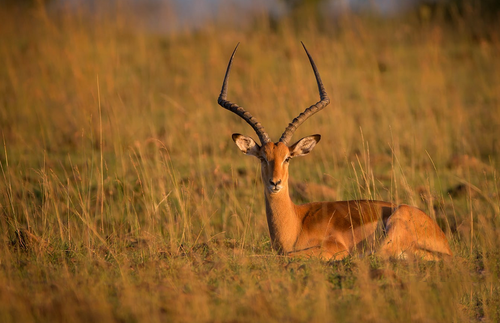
x,y
274,157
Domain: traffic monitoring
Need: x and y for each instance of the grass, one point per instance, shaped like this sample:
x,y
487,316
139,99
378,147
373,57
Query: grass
x,y
123,198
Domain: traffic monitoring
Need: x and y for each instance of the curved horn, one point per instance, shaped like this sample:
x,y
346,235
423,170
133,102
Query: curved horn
x,y
233,107
324,100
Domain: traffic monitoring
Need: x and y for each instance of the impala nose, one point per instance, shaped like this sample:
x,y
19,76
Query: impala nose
x,y
275,183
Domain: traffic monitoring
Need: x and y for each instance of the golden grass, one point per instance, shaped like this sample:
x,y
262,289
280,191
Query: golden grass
x,y
123,198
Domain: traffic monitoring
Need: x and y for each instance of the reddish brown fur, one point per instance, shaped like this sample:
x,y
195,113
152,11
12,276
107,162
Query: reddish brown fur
x,y
333,230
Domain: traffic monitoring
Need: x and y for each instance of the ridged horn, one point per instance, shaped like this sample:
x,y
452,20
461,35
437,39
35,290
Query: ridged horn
x,y
233,107
324,100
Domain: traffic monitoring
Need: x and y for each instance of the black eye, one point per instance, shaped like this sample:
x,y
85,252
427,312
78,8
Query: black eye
x,y
287,159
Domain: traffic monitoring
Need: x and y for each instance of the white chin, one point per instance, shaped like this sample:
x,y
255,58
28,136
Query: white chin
x,y
274,190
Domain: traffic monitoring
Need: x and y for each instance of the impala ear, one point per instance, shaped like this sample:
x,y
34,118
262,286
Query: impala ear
x,y
304,146
246,144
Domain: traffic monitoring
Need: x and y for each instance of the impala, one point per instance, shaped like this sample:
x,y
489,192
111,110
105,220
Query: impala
x,y
330,230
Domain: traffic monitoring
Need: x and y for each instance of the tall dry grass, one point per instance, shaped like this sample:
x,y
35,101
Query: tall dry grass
x,y
123,198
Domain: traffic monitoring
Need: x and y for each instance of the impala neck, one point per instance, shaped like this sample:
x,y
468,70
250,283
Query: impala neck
x,y
282,219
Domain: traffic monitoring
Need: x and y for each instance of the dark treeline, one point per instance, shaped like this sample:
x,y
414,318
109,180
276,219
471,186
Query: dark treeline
x,y
487,9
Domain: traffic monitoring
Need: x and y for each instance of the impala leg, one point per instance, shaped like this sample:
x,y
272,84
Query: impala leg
x,y
334,251
328,250
412,233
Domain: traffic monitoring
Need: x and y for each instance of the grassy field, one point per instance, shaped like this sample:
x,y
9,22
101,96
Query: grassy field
x,y
124,199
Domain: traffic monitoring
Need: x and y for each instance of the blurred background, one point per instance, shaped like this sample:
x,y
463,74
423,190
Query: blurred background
x,y
174,15
99,86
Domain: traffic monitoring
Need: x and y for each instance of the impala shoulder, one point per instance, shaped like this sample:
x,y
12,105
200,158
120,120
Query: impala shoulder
x,y
318,210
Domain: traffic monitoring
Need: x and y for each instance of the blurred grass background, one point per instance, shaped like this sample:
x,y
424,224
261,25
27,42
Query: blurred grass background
x,y
123,198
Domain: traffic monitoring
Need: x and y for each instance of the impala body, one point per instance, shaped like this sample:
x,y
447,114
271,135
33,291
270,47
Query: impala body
x,y
330,230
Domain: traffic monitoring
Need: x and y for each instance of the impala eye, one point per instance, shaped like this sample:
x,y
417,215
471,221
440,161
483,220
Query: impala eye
x,y
287,159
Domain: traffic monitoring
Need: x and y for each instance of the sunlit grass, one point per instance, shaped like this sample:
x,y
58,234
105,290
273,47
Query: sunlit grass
x,y
124,199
